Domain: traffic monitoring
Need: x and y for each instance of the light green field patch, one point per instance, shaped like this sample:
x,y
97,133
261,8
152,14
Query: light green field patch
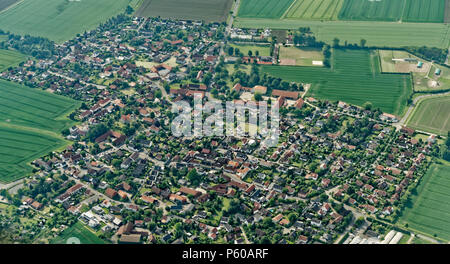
x,y
301,56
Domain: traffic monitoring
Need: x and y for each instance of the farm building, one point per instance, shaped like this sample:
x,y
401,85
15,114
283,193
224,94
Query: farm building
x,y
420,64
438,72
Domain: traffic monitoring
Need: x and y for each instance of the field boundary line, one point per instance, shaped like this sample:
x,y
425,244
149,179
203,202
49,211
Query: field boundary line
x,y
11,6
289,8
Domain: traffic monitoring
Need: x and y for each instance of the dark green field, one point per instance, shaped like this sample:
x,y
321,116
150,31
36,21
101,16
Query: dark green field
x,y
207,10
30,125
80,232
354,78
429,210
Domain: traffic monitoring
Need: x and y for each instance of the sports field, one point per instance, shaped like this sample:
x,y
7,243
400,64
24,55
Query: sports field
x,y
429,210
9,58
59,20
30,123
315,9
389,34
354,78
207,10
264,8
295,56
77,231
432,115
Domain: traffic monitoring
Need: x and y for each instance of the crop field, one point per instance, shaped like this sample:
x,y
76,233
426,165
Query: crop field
x,y
208,10
7,3
432,115
30,123
354,78
9,58
379,34
78,231
59,20
315,9
429,209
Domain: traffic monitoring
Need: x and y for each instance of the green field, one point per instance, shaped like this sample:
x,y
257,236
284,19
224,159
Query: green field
x,y
9,58
59,20
30,123
432,115
354,78
264,8
208,10
389,34
78,231
315,9
429,210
